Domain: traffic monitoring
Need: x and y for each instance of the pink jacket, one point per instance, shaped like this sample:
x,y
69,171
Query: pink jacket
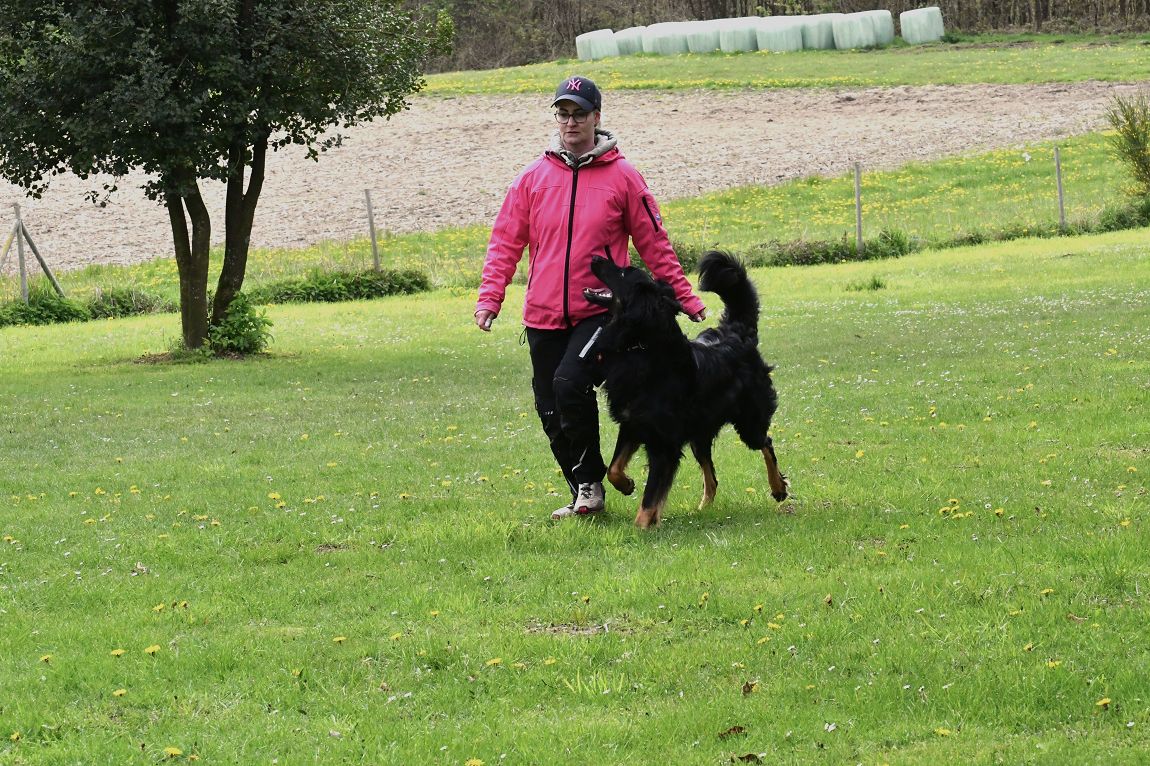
x,y
565,215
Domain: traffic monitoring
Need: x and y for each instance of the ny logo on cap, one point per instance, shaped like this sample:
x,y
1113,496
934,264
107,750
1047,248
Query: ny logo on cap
x,y
574,84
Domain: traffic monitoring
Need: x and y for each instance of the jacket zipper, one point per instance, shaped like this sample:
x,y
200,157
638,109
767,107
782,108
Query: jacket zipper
x,y
567,260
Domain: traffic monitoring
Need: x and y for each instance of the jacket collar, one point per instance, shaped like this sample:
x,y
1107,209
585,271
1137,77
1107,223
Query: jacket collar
x,y
605,141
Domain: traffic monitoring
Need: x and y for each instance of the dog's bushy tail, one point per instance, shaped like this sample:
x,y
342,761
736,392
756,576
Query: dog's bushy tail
x,y
723,274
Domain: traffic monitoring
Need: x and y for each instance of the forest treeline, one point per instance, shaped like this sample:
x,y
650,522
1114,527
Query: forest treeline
x,y
497,33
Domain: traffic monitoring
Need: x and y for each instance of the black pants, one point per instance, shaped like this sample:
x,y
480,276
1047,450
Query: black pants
x,y
564,386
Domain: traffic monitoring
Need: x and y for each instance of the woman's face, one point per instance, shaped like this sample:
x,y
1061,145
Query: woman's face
x,y
576,135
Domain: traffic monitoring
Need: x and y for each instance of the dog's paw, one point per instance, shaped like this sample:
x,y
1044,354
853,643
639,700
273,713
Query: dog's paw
x,y
784,493
624,483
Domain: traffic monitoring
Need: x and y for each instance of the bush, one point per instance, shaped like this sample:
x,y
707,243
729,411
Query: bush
x,y
1130,119
331,287
243,331
44,306
124,302
1129,216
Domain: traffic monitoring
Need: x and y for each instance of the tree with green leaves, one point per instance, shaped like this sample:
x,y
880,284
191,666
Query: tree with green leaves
x,y
194,90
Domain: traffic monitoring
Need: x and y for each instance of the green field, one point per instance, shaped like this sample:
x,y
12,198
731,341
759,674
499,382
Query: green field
x,y
340,553
1002,60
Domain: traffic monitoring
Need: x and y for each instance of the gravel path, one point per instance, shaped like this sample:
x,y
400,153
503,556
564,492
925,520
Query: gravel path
x,y
448,161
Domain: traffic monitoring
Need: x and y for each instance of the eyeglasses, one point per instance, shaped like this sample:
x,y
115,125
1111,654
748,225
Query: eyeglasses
x,y
578,118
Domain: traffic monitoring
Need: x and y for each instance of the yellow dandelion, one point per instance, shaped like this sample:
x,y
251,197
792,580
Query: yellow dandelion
x,y
173,752
151,650
158,608
550,661
758,608
14,736
119,692
494,661
473,762
860,453
1046,591
46,658
1029,647
396,636
1103,703
1053,663
763,640
1124,523
339,639
434,612
940,731
118,652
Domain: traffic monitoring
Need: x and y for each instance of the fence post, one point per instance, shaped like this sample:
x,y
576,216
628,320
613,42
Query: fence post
x,y
858,209
1061,197
20,254
371,227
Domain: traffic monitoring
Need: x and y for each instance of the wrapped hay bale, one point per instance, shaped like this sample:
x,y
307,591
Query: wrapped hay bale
x,y
703,37
883,26
781,34
819,31
596,45
853,30
923,25
666,38
629,41
739,35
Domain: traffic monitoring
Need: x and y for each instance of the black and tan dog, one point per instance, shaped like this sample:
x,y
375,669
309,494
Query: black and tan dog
x,y
666,391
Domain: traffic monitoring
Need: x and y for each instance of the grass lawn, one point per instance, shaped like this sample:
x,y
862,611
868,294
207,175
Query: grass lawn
x,y
1000,59
340,553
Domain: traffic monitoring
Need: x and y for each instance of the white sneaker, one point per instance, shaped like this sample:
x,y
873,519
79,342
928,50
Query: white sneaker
x,y
564,512
587,502
589,499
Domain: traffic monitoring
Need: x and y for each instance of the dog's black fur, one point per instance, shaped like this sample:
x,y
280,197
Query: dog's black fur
x,y
666,391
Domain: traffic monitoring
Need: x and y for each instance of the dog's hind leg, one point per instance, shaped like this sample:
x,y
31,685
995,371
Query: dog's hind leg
x,y
625,448
779,483
710,483
660,475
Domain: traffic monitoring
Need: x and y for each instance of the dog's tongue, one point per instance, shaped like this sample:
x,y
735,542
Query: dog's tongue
x,y
601,292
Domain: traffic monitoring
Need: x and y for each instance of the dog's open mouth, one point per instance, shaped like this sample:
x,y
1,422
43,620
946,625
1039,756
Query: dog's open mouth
x,y
600,295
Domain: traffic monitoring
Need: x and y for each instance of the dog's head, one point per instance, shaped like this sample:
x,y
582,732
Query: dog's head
x,y
641,308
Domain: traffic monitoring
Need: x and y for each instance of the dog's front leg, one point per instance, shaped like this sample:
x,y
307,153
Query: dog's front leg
x,y
778,482
660,475
625,448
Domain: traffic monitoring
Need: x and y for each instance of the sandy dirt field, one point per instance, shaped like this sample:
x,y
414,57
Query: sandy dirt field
x,y
448,161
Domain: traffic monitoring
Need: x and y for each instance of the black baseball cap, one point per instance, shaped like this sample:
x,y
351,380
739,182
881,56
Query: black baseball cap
x,y
580,90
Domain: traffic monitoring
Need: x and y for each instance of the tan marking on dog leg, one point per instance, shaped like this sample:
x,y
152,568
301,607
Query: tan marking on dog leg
x,y
646,517
617,472
779,483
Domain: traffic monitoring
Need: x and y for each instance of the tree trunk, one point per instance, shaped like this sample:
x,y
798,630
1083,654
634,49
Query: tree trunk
x,y
240,213
191,260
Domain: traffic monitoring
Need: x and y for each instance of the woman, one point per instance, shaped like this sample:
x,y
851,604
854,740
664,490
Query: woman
x,y
580,198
